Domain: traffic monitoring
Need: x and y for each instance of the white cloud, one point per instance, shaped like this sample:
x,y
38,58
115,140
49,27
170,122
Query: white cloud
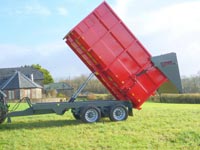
x,y
180,18
12,53
37,9
121,7
177,19
55,57
62,11
173,27
48,49
29,8
12,50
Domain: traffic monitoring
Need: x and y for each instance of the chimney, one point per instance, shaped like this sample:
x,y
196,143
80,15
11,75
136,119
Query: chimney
x,y
32,78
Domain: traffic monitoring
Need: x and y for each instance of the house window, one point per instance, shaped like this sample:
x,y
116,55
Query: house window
x,y
11,94
28,93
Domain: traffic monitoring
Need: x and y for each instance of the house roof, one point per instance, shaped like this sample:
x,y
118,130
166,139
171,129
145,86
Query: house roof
x,y
6,73
57,86
18,81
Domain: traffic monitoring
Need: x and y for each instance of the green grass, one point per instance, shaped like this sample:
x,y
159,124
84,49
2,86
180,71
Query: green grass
x,y
156,126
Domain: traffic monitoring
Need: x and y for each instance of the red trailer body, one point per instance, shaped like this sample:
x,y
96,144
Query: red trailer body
x,y
104,43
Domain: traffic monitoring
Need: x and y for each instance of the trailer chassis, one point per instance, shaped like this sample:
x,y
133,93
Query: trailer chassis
x,y
87,111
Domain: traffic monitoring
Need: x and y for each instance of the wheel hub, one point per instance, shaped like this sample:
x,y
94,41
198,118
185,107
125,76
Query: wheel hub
x,y
91,115
119,113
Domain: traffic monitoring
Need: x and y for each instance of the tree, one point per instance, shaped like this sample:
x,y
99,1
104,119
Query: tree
x,y
47,76
94,85
191,84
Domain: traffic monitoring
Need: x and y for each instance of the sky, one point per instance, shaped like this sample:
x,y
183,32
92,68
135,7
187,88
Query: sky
x,y
32,31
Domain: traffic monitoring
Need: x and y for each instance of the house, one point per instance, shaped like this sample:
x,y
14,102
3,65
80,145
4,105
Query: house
x,y
60,87
30,72
19,86
21,82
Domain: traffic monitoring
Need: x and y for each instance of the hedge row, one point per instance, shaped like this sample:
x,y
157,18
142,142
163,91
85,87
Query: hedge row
x,y
177,98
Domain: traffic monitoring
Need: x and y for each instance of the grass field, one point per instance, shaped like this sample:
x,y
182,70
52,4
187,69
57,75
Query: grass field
x,y
157,127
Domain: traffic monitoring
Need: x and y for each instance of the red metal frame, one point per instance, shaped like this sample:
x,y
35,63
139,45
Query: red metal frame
x,y
119,60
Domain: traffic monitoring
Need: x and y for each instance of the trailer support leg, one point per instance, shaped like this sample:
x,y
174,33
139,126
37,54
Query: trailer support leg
x,y
75,95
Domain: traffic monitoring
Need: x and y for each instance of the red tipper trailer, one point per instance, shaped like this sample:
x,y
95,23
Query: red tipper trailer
x,y
118,59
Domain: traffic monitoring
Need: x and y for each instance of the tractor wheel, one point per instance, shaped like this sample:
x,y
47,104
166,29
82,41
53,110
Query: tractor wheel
x,y
118,113
90,114
2,116
3,107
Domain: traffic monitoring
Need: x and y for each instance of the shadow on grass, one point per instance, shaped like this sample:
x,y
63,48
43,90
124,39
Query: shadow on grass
x,y
44,124
39,124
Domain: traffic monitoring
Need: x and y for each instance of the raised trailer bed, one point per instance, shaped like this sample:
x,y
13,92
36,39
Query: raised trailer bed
x,y
108,48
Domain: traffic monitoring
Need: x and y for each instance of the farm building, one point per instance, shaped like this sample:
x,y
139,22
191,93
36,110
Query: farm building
x,y
60,87
17,85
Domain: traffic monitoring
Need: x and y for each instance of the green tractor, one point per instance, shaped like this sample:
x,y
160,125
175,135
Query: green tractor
x,y
3,107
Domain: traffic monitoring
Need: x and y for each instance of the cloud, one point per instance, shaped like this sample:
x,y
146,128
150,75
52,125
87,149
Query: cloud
x,y
41,50
14,55
12,50
172,27
177,19
48,49
10,54
121,7
37,9
55,57
62,11
30,8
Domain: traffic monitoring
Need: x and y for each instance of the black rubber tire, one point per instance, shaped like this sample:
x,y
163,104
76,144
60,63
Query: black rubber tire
x,y
76,116
90,114
2,120
118,113
2,116
3,107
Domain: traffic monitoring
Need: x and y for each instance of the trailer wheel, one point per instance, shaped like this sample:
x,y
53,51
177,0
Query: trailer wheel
x,y
76,116
118,113
90,114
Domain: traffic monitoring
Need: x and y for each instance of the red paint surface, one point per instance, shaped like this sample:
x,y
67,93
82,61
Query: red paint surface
x,y
122,64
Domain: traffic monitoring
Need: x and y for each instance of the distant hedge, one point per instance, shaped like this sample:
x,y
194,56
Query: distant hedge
x,y
177,98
